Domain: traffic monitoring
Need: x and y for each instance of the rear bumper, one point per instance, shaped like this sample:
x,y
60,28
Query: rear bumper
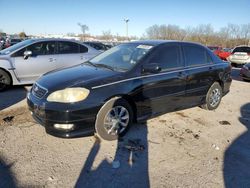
x,y
239,61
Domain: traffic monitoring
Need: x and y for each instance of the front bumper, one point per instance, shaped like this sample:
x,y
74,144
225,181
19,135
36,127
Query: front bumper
x,y
49,114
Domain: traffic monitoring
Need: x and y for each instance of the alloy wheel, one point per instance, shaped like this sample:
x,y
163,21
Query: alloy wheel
x,y
116,120
214,97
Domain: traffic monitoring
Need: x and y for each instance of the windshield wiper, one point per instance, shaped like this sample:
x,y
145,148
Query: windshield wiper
x,y
105,66
89,63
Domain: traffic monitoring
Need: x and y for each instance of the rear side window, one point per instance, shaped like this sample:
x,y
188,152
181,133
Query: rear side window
x,y
68,48
196,55
83,49
167,56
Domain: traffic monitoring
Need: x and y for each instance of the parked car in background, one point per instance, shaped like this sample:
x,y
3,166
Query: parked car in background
x,y
129,82
224,53
11,42
215,49
98,46
240,56
2,41
245,72
24,62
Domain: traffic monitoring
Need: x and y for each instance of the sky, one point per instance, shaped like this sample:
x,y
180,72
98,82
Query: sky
x,y
61,16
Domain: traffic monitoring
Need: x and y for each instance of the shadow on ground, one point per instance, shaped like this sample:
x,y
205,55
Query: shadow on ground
x,y
129,167
12,96
237,156
6,177
236,74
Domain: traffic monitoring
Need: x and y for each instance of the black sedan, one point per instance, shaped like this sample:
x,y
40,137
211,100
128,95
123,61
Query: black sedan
x,y
130,82
245,72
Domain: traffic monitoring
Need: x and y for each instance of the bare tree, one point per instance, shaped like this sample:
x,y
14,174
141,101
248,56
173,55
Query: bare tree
x,y
106,35
229,36
84,28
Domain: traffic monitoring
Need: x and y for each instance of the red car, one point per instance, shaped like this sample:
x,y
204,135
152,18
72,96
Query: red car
x,y
222,53
225,53
215,49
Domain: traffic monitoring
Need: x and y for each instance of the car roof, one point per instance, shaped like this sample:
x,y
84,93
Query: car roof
x,y
52,39
159,42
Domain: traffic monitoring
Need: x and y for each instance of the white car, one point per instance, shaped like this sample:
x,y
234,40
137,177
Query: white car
x,y
240,55
26,61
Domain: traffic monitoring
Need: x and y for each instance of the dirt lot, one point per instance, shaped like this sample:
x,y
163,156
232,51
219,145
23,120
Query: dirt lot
x,y
189,148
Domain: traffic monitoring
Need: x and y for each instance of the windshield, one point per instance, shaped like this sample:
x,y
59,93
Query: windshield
x,y
15,47
122,57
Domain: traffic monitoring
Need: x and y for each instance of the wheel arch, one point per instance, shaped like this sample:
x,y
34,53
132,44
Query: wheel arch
x,y
129,100
11,79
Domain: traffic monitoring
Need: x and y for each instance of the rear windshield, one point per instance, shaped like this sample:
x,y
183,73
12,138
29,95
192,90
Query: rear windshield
x,y
242,49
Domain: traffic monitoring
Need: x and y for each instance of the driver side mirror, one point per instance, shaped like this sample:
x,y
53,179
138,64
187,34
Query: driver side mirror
x,y
27,54
151,68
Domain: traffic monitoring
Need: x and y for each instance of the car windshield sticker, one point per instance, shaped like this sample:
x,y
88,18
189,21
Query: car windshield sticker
x,y
146,47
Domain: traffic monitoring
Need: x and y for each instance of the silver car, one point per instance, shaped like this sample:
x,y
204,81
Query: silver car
x,y
24,62
240,55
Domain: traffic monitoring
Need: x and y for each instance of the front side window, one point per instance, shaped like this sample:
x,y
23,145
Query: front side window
x,y
68,48
42,48
122,57
196,55
167,57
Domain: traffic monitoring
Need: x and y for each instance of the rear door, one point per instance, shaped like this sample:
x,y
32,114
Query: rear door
x,y
201,73
71,53
68,54
41,61
164,91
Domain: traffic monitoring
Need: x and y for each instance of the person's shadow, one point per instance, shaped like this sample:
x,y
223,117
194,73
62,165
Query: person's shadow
x,y
237,157
129,167
7,178
12,96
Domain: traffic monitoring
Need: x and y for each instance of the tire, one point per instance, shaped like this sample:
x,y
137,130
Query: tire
x,y
5,80
108,125
213,97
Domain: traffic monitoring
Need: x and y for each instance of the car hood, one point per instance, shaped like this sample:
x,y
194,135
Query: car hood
x,y
77,76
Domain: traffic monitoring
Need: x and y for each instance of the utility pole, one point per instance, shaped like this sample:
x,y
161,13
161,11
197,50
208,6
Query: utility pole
x,y
126,21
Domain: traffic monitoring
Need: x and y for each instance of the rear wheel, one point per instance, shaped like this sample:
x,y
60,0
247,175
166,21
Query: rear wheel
x,y
113,119
213,97
5,80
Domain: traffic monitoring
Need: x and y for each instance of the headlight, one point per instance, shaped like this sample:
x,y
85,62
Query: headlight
x,y
68,95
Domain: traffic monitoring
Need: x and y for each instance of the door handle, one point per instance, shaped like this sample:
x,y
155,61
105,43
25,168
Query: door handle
x,y
52,59
182,75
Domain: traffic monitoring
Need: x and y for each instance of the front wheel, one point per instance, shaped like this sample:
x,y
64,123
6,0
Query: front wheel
x,y
5,80
113,119
213,97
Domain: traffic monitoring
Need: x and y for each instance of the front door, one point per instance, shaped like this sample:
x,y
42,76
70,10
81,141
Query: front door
x,y
42,60
164,91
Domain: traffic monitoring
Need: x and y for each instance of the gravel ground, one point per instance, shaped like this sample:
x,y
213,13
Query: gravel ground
x,y
188,148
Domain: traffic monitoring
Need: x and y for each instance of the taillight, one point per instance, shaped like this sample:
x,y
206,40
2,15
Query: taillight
x,y
248,53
